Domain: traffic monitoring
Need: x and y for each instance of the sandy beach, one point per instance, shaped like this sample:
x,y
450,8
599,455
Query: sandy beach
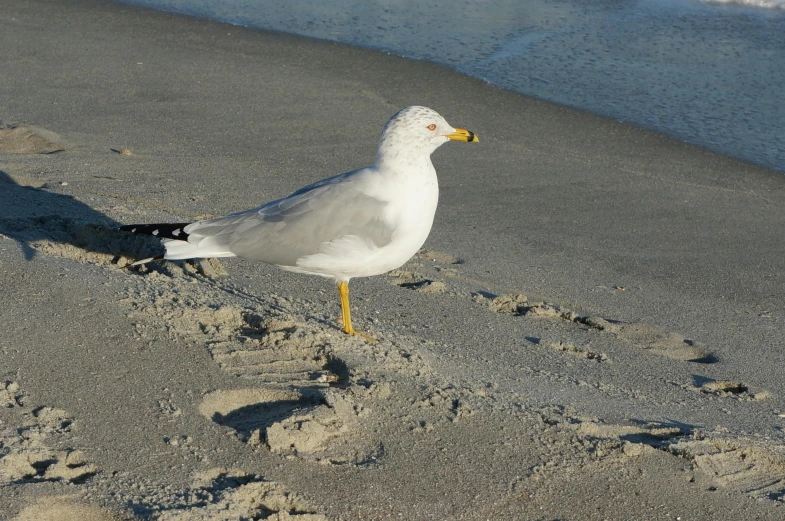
x,y
593,331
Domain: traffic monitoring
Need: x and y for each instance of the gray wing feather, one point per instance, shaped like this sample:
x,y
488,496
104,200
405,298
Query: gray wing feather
x,y
282,231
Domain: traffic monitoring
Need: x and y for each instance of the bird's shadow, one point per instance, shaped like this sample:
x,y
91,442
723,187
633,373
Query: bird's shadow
x,y
40,220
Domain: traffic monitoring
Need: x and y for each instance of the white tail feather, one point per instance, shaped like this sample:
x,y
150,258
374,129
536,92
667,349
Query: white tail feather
x,y
181,250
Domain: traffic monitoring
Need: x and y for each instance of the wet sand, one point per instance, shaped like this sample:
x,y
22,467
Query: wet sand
x,y
593,331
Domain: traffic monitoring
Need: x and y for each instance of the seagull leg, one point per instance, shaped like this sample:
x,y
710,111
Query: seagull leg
x,y
343,290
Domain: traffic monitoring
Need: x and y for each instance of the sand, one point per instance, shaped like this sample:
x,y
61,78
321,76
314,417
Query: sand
x,y
593,331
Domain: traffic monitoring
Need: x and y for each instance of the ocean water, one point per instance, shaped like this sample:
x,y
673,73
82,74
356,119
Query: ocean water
x,y
708,72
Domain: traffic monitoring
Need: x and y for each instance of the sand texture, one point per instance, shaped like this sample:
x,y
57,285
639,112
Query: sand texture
x,y
593,332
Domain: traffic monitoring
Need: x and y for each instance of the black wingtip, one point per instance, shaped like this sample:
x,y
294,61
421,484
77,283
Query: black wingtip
x,y
174,231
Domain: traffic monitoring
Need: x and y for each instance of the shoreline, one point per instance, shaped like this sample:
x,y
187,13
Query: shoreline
x,y
647,360
562,57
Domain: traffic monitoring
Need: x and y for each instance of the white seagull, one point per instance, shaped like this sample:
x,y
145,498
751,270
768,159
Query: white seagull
x,y
358,224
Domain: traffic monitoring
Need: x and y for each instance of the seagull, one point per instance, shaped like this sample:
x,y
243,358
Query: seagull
x,y
358,224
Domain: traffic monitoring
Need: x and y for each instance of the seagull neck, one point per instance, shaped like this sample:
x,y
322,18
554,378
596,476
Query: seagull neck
x,y
401,163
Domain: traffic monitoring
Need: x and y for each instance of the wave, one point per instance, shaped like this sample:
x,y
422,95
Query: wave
x,y
769,4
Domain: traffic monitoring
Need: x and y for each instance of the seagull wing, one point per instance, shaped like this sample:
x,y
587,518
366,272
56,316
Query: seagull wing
x,y
282,231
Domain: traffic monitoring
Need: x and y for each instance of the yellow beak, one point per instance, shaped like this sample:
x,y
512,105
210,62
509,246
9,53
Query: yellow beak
x,y
461,134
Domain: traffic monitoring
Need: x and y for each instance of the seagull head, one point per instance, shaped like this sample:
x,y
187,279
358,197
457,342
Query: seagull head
x,y
417,131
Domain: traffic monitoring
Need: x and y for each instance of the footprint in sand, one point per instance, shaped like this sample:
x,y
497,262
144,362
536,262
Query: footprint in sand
x,y
656,435
718,460
65,508
656,340
279,350
415,281
644,336
10,395
726,389
752,467
26,453
321,426
270,350
225,494
446,404
572,349
438,258
439,262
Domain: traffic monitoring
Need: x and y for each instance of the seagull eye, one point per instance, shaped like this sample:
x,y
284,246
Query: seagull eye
x,y
432,126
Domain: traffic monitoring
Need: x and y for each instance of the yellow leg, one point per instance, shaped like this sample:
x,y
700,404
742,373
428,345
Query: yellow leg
x,y
343,290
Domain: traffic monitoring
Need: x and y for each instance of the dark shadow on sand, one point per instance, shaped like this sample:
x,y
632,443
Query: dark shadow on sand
x,y
36,216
